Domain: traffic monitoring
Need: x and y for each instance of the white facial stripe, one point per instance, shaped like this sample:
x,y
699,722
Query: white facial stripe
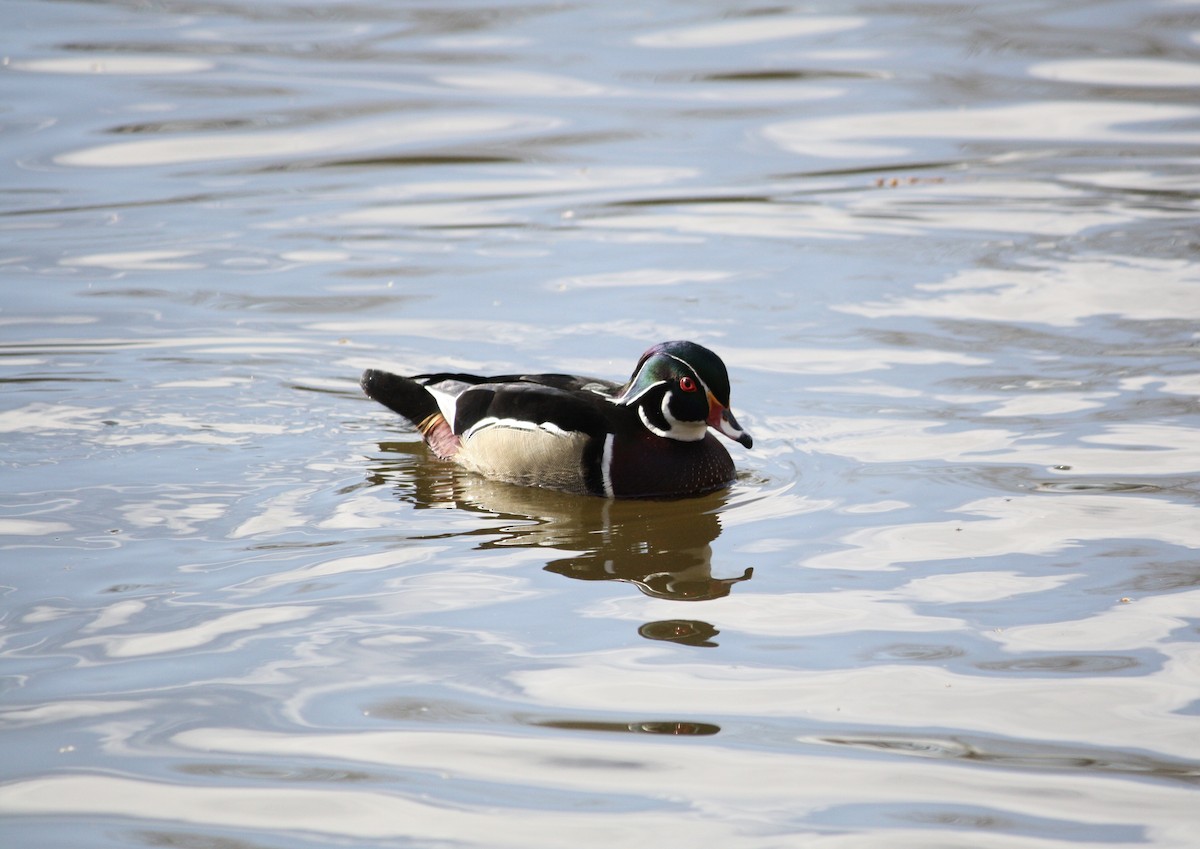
x,y
654,430
688,366
625,399
682,431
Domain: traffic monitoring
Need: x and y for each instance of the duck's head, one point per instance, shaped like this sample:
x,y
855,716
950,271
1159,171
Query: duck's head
x,y
681,389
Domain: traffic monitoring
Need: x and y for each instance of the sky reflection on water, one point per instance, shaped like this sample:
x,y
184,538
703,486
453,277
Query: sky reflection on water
x,y
949,256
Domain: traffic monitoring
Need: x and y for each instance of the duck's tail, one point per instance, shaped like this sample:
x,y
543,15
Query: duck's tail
x,y
413,401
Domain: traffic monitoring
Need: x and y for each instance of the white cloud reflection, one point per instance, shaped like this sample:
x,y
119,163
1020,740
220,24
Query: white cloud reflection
x,y
1158,73
749,30
344,139
1060,294
894,696
1115,449
195,636
1031,525
844,611
881,134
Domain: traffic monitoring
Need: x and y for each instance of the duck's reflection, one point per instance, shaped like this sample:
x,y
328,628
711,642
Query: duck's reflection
x,y
661,547
689,632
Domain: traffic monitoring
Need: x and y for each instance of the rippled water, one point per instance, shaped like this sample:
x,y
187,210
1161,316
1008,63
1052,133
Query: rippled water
x,y
949,253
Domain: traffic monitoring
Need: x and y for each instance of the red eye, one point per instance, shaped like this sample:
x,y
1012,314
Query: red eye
x,y
687,384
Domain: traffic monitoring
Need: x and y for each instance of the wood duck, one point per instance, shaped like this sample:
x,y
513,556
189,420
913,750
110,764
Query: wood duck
x,y
648,438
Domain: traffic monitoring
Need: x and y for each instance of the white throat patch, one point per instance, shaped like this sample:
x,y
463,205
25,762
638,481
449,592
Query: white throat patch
x,y
681,431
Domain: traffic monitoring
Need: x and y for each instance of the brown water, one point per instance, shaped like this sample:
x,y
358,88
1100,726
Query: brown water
x,y
948,252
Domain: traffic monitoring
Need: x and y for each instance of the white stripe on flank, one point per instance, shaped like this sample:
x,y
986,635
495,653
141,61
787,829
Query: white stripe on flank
x,y
606,465
515,424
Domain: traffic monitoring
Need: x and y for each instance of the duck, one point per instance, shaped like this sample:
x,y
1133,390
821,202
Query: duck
x,y
650,437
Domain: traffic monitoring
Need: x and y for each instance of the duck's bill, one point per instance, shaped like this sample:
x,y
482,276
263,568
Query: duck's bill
x,y
722,420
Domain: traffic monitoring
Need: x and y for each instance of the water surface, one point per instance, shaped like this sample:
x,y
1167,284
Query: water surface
x,y
949,254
